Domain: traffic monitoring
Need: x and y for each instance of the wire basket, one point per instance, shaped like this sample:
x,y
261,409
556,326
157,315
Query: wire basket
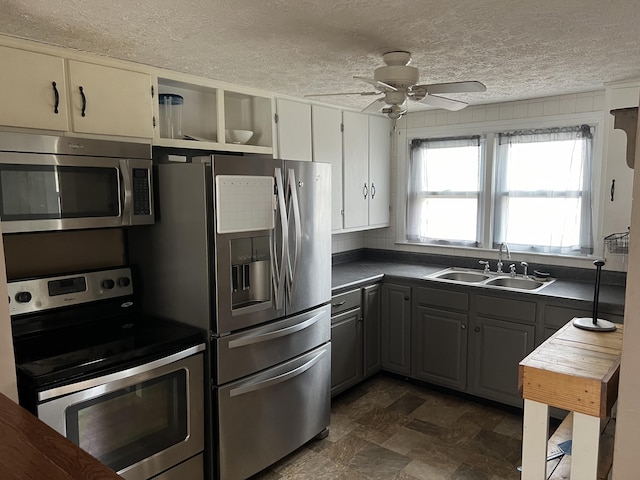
x,y
617,242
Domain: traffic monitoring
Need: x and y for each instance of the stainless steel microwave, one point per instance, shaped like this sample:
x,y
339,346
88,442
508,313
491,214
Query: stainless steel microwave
x,y
63,183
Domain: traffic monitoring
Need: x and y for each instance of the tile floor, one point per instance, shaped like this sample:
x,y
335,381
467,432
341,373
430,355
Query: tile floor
x,y
391,429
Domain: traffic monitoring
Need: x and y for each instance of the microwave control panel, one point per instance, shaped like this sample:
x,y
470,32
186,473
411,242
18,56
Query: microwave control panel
x,y
141,192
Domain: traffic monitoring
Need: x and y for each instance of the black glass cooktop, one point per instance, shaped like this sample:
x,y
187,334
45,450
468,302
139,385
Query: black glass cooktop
x,y
98,346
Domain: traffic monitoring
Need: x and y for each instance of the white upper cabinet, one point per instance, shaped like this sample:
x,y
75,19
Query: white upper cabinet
x,y
294,130
618,187
110,101
32,90
379,170
326,125
367,163
356,170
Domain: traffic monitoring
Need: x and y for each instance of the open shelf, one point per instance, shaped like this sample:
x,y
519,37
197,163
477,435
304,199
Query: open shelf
x,y
208,111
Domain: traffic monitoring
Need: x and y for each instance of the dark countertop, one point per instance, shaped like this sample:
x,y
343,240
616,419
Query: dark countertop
x,y
358,273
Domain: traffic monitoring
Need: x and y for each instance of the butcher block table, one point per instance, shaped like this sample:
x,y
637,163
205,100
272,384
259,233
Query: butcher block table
x,y
31,450
575,370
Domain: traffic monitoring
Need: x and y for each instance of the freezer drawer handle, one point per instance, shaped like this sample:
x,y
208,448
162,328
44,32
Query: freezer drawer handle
x,y
283,332
278,378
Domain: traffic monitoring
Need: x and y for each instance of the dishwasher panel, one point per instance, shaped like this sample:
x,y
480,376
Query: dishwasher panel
x,y
266,416
243,353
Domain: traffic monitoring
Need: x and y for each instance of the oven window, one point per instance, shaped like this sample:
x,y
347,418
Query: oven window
x,y
129,425
38,192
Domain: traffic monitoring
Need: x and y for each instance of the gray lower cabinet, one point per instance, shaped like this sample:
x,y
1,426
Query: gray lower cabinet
x,y
355,337
346,341
371,319
439,337
503,334
395,332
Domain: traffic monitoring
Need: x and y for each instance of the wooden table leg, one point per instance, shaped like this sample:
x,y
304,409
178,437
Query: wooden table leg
x,y
584,448
534,440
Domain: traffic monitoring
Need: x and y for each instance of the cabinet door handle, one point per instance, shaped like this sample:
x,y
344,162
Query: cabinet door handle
x,y
406,297
373,191
463,326
56,96
477,329
84,102
613,189
365,190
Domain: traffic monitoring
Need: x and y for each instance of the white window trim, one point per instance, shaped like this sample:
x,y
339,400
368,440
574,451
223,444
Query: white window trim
x,y
489,129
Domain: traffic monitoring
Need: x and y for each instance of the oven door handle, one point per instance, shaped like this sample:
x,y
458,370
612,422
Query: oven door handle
x,y
124,375
283,332
278,378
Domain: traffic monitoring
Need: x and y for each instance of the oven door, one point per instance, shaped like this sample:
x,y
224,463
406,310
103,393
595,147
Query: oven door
x,y
139,422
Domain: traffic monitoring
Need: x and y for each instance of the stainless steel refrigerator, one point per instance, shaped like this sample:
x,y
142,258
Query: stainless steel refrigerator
x,y
242,246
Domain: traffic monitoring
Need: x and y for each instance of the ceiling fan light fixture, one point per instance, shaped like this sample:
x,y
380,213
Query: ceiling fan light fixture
x,y
394,112
397,75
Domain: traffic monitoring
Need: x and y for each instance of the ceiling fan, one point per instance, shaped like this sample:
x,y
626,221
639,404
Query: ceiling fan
x,y
397,82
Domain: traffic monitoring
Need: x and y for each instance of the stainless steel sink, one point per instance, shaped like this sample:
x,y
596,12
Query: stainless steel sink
x,y
490,279
467,277
515,282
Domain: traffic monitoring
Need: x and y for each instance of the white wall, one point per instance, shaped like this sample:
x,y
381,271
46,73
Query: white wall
x,y
343,242
627,439
548,109
7,362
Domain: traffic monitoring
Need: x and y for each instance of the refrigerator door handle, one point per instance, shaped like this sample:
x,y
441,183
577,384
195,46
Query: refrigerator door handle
x,y
278,271
252,387
295,207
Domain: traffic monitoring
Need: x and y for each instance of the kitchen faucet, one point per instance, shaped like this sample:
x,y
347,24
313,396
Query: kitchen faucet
x,y
503,245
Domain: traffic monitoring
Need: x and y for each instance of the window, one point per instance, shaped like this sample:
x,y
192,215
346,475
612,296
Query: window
x,y
543,194
444,195
540,199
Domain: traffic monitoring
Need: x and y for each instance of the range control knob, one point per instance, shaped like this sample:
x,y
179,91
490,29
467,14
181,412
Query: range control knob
x,y
108,284
124,281
23,297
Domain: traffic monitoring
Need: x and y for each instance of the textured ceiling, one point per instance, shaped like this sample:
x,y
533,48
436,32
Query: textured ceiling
x,y
519,49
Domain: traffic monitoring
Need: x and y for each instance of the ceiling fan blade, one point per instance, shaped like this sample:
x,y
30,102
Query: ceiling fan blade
x,y
379,85
453,87
442,102
344,93
374,106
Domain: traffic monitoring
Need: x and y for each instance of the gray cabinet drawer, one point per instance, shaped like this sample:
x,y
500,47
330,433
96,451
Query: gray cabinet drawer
x,y
506,308
345,301
437,297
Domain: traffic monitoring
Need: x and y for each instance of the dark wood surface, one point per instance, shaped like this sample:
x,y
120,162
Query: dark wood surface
x,y
30,449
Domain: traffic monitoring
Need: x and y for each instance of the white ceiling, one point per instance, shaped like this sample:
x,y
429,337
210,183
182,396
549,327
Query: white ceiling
x,y
519,49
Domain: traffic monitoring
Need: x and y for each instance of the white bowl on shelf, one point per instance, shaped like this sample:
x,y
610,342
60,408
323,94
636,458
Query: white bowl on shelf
x,y
238,136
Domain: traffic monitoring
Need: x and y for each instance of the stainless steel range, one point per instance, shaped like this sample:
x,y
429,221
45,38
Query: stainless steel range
x,y
125,387
242,247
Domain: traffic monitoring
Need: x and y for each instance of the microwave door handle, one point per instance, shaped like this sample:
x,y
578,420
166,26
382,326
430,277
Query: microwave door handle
x,y
125,193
